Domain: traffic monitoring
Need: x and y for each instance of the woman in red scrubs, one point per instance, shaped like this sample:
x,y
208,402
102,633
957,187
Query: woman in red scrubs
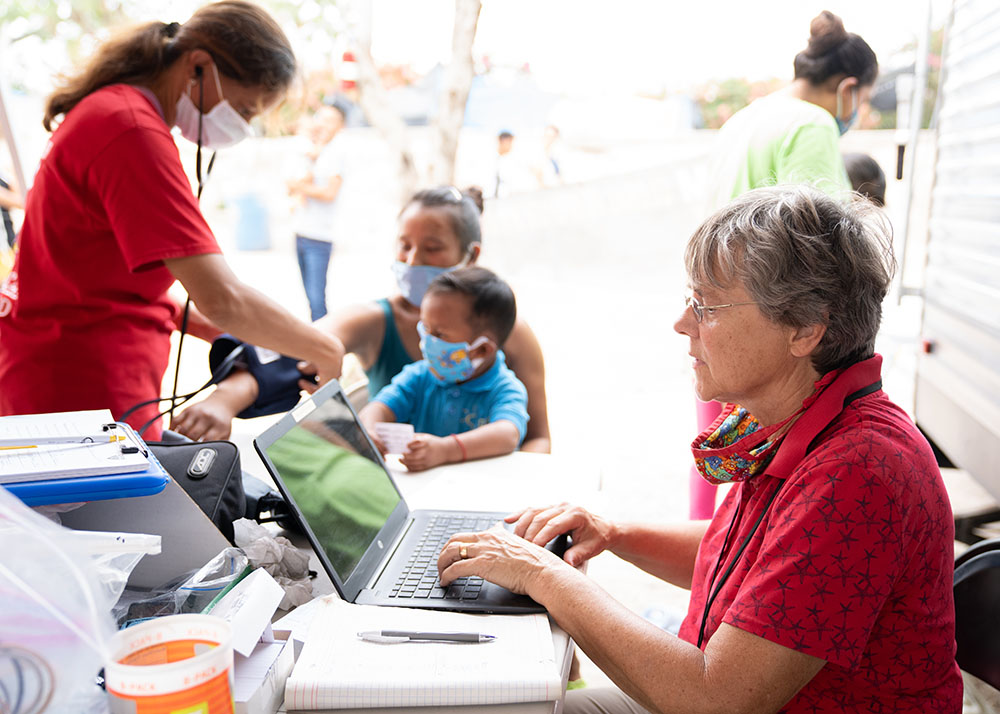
x,y
111,221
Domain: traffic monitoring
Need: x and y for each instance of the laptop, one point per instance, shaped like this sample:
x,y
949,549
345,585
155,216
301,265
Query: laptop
x,y
374,548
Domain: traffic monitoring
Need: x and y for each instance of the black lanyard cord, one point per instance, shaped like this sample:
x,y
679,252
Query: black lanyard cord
x,y
736,558
725,546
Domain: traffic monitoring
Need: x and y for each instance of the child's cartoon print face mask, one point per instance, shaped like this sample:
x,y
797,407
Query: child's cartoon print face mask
x,y
449,361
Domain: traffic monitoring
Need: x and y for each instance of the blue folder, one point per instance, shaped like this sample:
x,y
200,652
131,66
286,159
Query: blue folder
x,y
93,488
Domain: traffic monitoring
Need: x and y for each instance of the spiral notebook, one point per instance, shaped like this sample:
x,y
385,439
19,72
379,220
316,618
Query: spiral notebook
x,y
337,670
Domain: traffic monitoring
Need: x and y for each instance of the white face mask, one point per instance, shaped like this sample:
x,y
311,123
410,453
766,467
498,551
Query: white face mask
x,y
221,127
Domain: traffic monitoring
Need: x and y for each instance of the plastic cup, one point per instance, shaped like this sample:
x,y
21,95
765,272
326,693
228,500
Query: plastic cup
x,y
178,663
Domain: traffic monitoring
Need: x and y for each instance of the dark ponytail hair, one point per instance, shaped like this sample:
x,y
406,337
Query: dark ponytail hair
x,y
244,41
834,51
464,209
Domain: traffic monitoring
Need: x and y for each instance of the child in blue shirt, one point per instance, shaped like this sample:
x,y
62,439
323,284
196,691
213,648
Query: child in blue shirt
x,y
462,385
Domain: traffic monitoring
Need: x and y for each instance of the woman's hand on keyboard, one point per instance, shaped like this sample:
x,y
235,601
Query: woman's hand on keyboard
x,y
591,534
500,557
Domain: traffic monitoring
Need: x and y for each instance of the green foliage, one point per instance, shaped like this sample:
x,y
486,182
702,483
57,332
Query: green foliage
x,y
71,21
720,100
50,19
933,76
887,119
72,24
73,28
321,16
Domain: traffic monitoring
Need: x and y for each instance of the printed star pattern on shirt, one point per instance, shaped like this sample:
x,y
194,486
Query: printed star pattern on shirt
x,y
852,564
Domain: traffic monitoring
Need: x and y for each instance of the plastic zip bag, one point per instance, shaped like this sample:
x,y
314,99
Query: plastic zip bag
x,y
57,587
192,594
195,594
114,555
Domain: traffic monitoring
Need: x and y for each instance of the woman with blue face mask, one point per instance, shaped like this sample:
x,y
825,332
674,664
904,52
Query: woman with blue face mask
x,y
791,136
111,222
438,231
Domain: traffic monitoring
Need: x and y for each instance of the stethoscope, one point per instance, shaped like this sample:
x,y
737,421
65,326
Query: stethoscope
x,y
175,399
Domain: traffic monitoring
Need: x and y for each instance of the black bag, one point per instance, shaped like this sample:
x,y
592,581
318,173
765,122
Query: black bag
x,y
265,505
210,473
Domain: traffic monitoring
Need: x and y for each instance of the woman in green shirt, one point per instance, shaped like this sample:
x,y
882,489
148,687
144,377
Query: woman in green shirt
x,y
790,136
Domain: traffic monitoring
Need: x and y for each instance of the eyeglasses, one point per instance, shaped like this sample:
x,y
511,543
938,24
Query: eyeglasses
x,y
699,310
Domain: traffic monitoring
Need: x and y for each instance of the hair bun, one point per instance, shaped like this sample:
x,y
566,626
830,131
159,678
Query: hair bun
x,y
826,32
171,29
475,194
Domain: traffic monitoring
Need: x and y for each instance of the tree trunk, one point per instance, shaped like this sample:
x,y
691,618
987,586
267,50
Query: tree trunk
x,y
375,104
446,126
457,83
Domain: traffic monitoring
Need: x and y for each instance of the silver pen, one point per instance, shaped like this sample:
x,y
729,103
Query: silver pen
x,y
397,636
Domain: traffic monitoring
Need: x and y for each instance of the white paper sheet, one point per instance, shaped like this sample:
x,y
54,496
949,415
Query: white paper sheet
x,y
67,461
56,425
249,672
395,437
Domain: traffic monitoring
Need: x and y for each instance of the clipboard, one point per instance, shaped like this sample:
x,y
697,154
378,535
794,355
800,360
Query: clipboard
x,y
146,482
50,446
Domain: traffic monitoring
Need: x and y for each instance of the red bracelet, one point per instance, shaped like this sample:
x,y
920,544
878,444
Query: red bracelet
x,y
465,454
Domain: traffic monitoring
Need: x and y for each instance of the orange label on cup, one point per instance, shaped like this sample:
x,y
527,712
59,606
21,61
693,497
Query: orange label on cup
x,y
211,697
168,652
179,664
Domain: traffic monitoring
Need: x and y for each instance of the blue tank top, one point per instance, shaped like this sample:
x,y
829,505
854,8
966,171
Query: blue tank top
x,y
392,356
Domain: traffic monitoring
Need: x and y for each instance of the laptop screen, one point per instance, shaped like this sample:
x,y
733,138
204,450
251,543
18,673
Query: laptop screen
x,y
329,468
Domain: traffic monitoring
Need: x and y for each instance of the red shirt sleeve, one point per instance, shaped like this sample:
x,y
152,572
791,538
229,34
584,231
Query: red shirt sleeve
x,y
148,199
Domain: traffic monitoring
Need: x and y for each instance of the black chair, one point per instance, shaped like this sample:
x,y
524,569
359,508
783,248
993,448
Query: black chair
x,y
983,546
977,612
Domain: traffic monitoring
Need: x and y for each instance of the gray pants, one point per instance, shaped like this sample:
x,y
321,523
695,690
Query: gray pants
x,y
600,700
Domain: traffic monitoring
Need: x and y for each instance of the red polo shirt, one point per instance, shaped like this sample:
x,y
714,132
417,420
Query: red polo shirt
x,y
85,320
853,561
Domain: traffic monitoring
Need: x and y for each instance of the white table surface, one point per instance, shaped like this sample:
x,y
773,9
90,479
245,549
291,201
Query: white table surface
x,y
504,483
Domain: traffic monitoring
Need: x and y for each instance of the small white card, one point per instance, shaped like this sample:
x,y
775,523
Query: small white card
x,y
394,436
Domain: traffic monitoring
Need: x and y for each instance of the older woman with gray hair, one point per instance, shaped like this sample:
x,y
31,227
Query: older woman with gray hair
x,y
823,583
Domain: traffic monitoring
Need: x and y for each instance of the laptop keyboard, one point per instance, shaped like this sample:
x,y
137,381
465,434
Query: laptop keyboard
x,y
419,577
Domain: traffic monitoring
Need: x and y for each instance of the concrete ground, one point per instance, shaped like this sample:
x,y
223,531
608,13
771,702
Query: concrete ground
x,y
597,270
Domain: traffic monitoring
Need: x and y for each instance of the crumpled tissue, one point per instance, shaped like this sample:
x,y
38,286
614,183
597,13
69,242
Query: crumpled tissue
x,y
288,565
